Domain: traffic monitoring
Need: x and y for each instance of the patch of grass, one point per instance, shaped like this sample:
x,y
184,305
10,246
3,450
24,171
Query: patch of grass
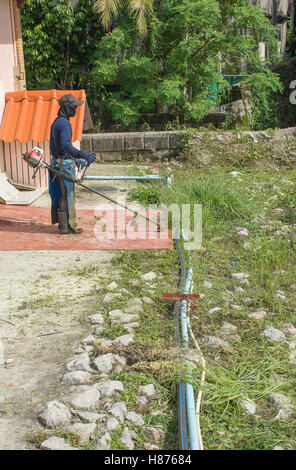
x,y
146,195
288,203
38,437
85,271
113,332
36,303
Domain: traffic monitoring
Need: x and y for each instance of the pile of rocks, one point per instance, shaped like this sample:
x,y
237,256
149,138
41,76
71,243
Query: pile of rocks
x,y
93,408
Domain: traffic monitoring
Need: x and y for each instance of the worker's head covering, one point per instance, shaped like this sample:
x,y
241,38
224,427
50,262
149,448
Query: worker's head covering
x,y
68,105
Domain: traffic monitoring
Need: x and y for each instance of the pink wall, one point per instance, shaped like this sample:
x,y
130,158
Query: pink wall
x,y
7,51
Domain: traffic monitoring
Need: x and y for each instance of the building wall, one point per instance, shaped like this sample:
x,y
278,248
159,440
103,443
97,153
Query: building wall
x,y
7,51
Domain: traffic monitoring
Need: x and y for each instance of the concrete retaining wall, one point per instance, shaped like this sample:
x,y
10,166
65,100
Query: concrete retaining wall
x,y
125,146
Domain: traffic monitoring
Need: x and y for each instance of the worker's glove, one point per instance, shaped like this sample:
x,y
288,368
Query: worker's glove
x,y
90,158
81,164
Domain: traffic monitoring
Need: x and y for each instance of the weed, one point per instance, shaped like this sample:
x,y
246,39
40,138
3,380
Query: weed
x,y
39,302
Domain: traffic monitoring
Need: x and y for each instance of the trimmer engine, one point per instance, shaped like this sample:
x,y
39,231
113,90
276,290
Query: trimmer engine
x,y
34,159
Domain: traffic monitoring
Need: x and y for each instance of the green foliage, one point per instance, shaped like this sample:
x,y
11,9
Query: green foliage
x,y
59,42
179,62
288,202
146,195
113,8
262,85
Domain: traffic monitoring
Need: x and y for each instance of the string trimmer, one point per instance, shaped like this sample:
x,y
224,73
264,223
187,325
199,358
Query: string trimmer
x,y
34,160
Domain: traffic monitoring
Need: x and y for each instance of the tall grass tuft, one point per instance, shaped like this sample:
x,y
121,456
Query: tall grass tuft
x,y
220,201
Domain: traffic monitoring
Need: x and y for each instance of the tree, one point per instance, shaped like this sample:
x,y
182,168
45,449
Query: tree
x,y
59,41
111,9
188,43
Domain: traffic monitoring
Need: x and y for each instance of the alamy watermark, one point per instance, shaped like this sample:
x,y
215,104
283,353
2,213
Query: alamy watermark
x,y
293,93
157,222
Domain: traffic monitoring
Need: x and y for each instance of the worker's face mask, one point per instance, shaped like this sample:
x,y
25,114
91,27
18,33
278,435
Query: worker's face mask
x,y
68,110
71,108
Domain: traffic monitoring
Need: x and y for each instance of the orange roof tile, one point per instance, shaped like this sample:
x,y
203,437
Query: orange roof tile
x,y
28,115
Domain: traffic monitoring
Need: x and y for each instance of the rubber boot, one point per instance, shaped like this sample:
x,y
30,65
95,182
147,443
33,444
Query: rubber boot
x,y
63,222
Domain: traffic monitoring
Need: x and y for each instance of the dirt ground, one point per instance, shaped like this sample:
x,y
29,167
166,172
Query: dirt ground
x,y
41,293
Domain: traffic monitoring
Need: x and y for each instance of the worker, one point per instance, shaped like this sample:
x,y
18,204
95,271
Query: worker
x,y
65,158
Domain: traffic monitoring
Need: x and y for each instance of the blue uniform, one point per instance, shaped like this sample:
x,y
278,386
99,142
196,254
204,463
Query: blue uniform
x,y
64,158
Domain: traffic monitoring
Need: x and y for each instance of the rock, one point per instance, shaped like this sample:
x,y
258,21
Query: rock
x,y
115,313
56,443
280,296
154,434
81,362
135,306
258,315
147,390
248,406
238,289
83,430
77,377
124,340
214,342
244,282
54,414
118,410
88,398
235,307
273,334
127,318
89,341
112,424
289,330
112,286
228,328
247,300
106,362
292,345
90,417
267,136
126,438
278,448
208,285
215,309
239,276
135,418
109,387
131,326
104,343
108,298
235,173
98,330
95,319
103,443
232,338
242,231
246,245
123,290
142,400
149,276
148,300
2,360
293,358
148,446
282,404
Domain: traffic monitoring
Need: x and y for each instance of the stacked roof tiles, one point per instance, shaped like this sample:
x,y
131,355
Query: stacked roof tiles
x,y
28,115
